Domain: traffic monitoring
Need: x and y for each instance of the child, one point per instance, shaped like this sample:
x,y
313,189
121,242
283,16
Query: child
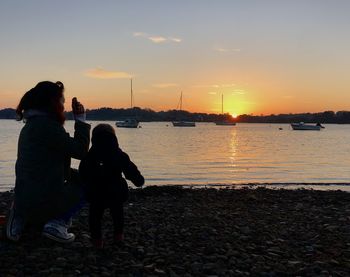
x,y
101,171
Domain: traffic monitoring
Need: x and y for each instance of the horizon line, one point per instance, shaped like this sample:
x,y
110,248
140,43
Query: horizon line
x,y
250,114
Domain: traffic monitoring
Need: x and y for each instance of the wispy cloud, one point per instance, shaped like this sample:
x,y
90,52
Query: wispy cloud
x,y
227,50
100,73
157,38
238,91
223,86
139,34
175,39
165,85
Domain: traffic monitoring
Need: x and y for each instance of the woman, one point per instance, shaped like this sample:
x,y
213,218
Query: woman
x,y
47,191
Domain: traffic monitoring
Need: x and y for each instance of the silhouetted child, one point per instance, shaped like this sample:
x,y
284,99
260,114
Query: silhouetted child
x,y
101,172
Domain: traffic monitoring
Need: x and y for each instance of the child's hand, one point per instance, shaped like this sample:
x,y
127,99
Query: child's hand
x,y
139,182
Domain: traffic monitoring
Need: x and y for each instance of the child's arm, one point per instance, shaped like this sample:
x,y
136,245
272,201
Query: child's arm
x,y
130,171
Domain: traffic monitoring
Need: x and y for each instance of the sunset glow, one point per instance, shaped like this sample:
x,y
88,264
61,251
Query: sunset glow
x,y
276,60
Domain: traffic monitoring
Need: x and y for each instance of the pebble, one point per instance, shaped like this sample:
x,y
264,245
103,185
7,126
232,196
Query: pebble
x,y
170,231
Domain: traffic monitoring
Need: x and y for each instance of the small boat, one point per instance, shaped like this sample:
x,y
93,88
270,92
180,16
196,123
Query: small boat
x,y
306,127
182,123
129,122
225,122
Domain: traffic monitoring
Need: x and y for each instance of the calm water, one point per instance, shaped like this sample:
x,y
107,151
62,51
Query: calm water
x,y
214,155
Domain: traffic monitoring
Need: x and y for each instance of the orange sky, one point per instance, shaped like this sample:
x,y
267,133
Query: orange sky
x,y
264,56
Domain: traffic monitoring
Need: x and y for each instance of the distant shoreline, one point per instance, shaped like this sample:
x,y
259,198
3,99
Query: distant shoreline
x,y
155,121
148,115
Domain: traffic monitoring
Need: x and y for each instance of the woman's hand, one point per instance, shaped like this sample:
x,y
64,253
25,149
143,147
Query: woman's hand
x,y
78,110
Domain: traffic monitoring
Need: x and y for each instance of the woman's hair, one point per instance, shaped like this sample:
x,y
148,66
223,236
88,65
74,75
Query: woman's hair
x,y
103,136
46,96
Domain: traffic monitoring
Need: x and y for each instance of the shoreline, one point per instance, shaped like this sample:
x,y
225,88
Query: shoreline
x,y
174,231
327,186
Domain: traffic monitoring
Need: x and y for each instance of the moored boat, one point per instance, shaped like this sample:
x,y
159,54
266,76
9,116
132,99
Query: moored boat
x,y
129,122
224,122
301,126
184,124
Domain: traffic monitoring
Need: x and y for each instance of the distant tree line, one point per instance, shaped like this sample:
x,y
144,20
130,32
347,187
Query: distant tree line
x,y
340,117
7,113
144,115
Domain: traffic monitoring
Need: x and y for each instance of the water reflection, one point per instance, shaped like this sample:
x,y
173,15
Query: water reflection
x,y
210,154
233,146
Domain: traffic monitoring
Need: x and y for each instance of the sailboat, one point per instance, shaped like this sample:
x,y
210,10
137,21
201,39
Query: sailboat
x,y
181,123
224,122
306,127
128,122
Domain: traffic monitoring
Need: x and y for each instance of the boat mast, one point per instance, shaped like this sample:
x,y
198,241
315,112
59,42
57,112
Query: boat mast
x,y
222,103
181,102
131,94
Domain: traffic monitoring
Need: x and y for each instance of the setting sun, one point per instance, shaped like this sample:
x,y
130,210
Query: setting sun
x,y
234,115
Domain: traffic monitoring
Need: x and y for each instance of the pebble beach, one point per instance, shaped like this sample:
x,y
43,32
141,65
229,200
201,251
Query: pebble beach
x,y
176,231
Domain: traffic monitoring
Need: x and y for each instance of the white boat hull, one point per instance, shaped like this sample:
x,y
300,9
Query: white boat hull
x,y
128,123
305,127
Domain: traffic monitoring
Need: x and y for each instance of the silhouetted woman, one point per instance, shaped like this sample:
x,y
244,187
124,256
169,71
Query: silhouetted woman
x,y
47,191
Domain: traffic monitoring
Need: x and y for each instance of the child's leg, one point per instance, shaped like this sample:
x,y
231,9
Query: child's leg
x,y
118,217
95,217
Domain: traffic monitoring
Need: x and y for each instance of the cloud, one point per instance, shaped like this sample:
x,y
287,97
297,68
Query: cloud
x,y
139,34
157,38
227,50
212,93
223,86
175,39
165,85
100,73
238,91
